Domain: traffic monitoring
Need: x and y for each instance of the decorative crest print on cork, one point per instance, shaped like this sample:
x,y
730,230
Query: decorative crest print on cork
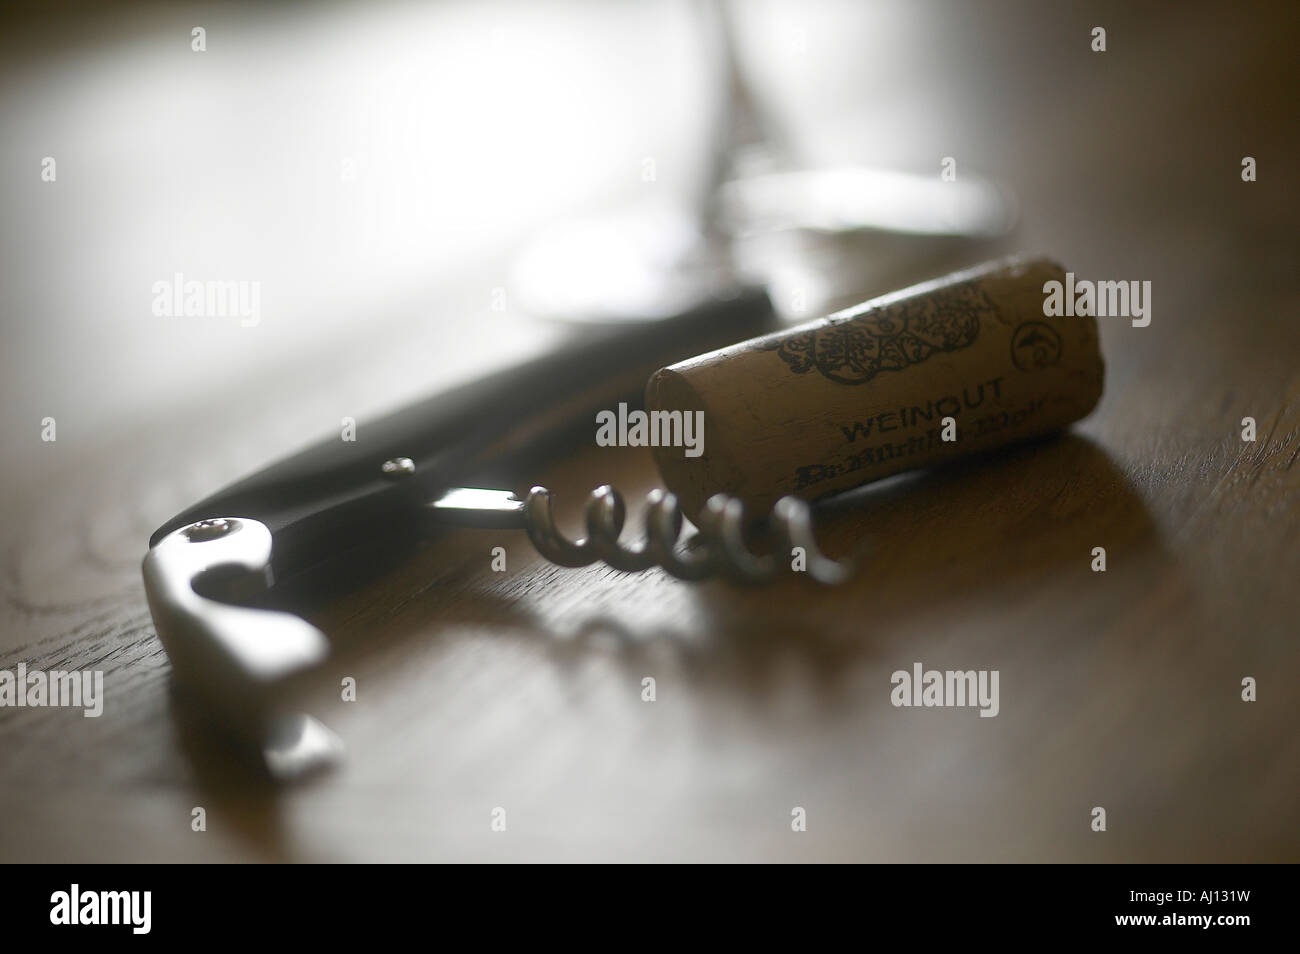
x,y
854,349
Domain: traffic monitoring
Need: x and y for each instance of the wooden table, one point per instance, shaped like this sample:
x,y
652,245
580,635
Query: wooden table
x,y
523,690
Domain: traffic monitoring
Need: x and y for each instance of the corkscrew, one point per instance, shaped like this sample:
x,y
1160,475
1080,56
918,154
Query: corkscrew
x,y
214,571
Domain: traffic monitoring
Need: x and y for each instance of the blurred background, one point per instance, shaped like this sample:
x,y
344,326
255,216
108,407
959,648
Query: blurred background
x,y
393,174
377,168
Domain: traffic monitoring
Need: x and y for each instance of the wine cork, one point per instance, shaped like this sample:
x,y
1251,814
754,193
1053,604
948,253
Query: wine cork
x,y
951,367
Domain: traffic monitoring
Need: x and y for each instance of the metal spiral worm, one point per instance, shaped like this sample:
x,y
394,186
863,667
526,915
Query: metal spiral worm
x,y
717,549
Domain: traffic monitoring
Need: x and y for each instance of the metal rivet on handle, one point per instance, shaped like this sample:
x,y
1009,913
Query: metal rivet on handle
x,y
205,530
398,467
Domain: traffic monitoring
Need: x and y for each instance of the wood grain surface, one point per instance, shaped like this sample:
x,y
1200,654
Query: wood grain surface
x,y
523,689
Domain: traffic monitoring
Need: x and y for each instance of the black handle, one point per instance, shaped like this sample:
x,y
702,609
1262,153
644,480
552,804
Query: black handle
x,y
335,495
